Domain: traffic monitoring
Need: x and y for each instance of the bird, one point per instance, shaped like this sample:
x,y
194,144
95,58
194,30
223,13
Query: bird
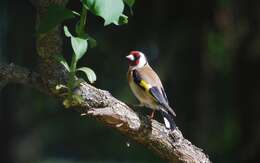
x,y
148,89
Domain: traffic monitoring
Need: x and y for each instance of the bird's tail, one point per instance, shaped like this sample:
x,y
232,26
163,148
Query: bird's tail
x,y
168,119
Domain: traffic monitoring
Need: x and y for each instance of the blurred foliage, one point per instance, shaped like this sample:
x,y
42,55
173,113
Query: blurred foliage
x,y
206,53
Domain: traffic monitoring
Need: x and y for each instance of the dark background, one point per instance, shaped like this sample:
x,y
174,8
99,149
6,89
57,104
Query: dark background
x,y
207,53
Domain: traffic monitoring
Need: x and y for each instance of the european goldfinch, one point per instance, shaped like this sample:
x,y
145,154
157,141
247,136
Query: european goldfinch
x,y
147,87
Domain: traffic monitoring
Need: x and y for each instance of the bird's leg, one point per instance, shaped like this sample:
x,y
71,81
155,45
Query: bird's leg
x,y
152,114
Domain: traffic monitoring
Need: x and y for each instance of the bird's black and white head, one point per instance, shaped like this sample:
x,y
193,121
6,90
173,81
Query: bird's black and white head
x,y
136,60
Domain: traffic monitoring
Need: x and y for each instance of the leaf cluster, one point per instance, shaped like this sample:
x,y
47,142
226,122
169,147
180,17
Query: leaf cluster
x,y
112,13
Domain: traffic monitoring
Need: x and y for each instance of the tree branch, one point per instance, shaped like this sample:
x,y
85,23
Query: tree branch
x,y
104,107
100,104
170,145
10,73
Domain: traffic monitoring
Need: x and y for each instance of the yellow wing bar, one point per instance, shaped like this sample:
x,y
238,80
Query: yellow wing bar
x,y
145,85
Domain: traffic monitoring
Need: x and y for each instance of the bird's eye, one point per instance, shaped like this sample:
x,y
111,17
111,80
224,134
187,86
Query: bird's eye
x,y
137,57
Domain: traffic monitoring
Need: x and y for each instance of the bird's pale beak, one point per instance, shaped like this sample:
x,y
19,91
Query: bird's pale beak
x,y
130,57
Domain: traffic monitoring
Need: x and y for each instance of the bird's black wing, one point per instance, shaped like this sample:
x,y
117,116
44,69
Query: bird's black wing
x,y
157,93
159,96
137,79
164,95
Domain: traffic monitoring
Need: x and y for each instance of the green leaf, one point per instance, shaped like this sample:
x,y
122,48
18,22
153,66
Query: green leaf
x,y
66,103
67,32
56,14
123,19
109,10
77,99
62,61
61,86
89,73
79,45
76,13
130,3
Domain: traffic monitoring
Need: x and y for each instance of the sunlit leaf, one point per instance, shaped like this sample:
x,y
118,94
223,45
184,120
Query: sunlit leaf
x,y
66,103
62,61
76,13
89,73
55,15
67,32
61,86
79,45
109,10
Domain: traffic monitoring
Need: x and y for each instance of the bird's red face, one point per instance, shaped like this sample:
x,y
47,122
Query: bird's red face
x,y
136,60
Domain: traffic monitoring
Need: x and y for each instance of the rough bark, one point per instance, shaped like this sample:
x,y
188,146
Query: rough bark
x,y
10,73
170,145
100,104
